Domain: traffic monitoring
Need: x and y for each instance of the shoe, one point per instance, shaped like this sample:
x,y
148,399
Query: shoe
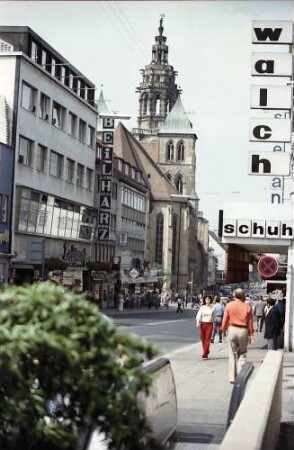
x,y
212,341
220,342
204,357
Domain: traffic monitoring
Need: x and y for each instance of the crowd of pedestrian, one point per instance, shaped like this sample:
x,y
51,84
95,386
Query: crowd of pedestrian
x,y
237,318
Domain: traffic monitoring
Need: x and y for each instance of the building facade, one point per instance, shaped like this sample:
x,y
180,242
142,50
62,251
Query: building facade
x,y
52,129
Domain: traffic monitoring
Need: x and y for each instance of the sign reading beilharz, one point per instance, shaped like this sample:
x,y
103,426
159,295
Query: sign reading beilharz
x,y
106,179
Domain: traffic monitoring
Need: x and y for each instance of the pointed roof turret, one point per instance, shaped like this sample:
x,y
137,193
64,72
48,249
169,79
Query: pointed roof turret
x,y
177,120
101,104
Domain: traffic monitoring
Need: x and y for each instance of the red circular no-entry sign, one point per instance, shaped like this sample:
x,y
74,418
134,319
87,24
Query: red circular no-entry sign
x,y
267,266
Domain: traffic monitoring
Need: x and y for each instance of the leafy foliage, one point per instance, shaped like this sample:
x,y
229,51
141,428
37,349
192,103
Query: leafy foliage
x,y
53,342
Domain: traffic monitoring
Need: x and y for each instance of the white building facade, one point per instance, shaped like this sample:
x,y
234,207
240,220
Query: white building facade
x,y
52,128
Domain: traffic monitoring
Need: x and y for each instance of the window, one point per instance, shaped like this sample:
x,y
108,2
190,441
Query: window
x,y
56,164
180,151
91,137
25,151
89,179
179,184
58,113
72,124
3,208
174,241
28,97
53,67
168,176
70,171
62,74
80,175
44,59
41,158
159,238
44,106
34,51
170,151
82,131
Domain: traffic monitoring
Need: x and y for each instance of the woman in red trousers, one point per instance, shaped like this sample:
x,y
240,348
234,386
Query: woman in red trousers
x,y
205,319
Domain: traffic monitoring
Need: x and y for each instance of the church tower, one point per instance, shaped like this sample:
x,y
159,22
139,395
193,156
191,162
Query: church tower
x,y
164,128
158,91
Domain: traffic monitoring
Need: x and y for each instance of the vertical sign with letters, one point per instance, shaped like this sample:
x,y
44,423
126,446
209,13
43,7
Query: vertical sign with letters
x,y
275,130
106,179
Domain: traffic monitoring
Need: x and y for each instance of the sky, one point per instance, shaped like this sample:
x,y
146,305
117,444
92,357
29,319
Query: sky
x,y
210,48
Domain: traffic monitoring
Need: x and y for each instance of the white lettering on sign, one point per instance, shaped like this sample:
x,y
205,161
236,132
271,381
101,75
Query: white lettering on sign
x,y
270,130
271,64
271,97
258,229
269,163
272,32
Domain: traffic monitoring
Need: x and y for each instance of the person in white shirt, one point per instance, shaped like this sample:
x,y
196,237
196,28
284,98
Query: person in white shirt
x,y
205,319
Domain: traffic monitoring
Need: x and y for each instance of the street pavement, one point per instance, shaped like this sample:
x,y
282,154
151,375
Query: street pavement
x,y
203,390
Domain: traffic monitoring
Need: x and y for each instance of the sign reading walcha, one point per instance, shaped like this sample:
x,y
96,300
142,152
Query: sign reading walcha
x,y
272,98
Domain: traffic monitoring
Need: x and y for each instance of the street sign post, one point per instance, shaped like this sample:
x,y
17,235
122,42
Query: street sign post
x,y
267,266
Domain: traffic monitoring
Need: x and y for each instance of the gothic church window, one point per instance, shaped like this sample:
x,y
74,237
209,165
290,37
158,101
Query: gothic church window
x,y
168,176
181,151
174,240
179,184
170,151
159,238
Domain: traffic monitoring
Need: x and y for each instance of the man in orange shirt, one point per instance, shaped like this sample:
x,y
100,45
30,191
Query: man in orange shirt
x,y
238,319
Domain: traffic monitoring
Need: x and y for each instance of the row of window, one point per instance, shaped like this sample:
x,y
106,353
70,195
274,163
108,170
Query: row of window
x,y
45,214
60,70
171,155
3,208
49,161
47,109
133,199
136,229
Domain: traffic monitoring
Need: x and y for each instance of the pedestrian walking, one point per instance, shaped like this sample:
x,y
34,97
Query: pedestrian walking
x,y
238,320
179,303
219,313
205,318
273,325
259,314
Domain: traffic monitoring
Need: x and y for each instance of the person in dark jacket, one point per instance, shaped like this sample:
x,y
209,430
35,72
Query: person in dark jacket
x,y
272,325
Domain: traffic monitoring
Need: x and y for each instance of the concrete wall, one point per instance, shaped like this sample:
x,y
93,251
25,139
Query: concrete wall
x,y
257,422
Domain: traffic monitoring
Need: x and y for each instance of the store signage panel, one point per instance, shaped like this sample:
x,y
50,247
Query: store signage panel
x,y
271,97
272,32
271,64
271,229
270,130
103,232
269,163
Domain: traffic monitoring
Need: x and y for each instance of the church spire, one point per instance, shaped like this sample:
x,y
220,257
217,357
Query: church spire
x,y
160,49
158,89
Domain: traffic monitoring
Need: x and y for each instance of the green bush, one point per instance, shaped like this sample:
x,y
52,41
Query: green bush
x,y
53,341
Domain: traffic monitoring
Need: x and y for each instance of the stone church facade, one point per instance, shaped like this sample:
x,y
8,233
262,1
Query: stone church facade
x,y
166,133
